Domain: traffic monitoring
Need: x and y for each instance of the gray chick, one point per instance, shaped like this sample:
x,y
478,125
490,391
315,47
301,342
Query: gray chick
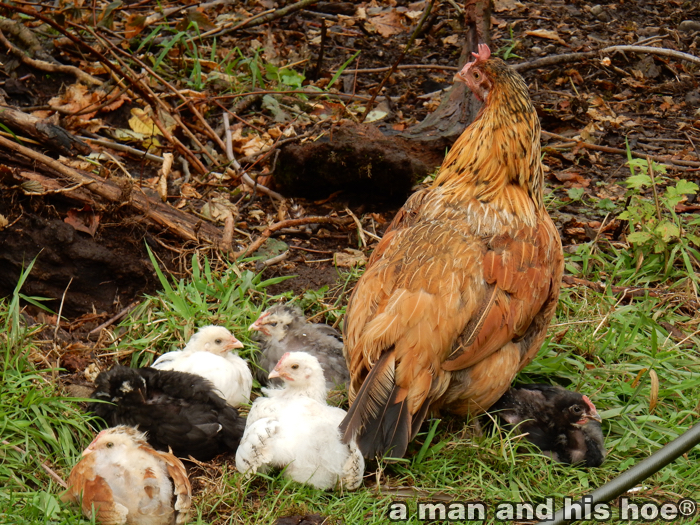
x,y
283,328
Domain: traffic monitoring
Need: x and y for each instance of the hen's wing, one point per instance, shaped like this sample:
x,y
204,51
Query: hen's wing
x,y
449,309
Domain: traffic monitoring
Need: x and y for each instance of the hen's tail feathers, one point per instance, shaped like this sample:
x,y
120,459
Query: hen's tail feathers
x,y
379,419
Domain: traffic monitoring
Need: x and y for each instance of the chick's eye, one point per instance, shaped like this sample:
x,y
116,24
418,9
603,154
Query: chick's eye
x,y
576,409
110,444
294,367
218,341
273,324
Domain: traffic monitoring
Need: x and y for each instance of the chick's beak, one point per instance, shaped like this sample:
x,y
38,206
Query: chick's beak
x,y
258,324
234,343
585,418
277,372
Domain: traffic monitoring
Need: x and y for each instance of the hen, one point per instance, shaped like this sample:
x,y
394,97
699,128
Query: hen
x,y
294,427
565,425
283,328
209,354
177,410
124,481
458,294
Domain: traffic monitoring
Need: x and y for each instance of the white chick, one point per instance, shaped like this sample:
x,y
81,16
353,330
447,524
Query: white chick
x,y
294,427
126,481
208,354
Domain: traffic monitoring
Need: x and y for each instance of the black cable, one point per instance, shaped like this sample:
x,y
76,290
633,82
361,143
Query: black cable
x,y
628,479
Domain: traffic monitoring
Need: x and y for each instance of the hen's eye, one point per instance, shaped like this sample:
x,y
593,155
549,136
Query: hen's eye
x,y
294,367
477,76
110,444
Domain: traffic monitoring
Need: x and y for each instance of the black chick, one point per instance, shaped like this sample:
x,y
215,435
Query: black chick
x,y
565,425
283,328
176,409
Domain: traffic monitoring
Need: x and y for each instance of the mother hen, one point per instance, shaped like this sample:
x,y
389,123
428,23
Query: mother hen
x,y
458,294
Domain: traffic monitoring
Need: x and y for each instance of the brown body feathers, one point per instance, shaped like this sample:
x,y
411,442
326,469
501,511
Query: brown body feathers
x,y
458,294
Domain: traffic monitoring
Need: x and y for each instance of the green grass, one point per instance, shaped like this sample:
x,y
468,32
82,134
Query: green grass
x,y
606,348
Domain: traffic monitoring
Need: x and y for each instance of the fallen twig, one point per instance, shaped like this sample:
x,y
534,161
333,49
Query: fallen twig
x,y
166,216
405,66
607,149
114,319
572,57
228,148
263,18
42,65
286,224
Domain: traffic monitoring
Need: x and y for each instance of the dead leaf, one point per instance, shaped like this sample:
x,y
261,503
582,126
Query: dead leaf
x,y
3,222
135,23
388,24
452,40
349,258
572,179
504,5
84,220
76,98
545,33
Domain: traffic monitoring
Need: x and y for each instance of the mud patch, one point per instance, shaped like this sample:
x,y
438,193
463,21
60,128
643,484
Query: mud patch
x,y
104,274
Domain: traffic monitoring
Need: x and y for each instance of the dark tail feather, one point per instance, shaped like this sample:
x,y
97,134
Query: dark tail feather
x,y
379,422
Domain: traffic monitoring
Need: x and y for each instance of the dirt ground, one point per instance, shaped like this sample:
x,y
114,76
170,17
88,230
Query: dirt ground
x,y
589,108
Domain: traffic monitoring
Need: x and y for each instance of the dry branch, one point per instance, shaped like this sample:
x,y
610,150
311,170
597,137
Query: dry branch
x,y
47,133
175,221
672,163
573,57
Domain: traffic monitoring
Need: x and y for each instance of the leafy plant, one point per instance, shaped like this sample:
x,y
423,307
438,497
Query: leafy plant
x,y
655,227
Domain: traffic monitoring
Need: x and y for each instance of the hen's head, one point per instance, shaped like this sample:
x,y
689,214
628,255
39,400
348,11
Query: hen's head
x,y
116,440
476,76
298,369
577,409
215,339
275,322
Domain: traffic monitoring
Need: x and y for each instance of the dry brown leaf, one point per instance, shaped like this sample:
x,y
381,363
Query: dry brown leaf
x,y
504,5
135,23
388,24
545,33
76,98
84,220
349,258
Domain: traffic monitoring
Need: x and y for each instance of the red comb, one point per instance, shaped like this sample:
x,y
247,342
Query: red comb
x,y
484,53
589,404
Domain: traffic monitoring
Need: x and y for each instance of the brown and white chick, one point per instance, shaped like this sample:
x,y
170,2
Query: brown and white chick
x,y
283,328
123,480
209,354
294,428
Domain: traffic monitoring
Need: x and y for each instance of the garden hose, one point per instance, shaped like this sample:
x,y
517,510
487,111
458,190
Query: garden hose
x,y
628,479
